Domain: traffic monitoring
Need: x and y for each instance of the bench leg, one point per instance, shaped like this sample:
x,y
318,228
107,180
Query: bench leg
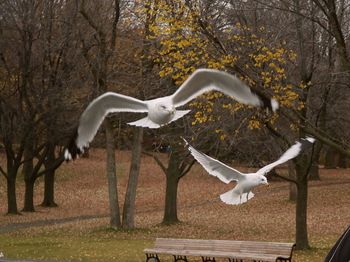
x,y
180,258
152,258
208,259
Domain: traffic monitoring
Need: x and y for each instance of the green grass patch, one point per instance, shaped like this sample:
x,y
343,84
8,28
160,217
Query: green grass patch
x,y
318,251
73,248
314,254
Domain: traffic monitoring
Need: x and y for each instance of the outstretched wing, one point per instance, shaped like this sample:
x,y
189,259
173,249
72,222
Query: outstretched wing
x,y
204,80
95,113
292,152
214,167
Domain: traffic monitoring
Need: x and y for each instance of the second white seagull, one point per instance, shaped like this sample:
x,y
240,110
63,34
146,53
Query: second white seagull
x,y
241,193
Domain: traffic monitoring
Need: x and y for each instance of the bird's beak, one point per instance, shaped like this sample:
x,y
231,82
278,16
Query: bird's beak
x,y
267,184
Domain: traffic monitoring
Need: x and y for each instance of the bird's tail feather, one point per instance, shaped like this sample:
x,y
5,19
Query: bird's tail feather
x,y
231,197
144,122
179,114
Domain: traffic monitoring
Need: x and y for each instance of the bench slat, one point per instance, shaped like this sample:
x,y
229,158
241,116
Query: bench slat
x,y
225,245
182,240
159,242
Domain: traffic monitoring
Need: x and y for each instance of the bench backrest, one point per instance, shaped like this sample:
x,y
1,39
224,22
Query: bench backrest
x,y
275,248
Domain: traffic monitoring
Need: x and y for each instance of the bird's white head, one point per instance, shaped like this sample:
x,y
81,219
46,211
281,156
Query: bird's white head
x,y
261,180
161,113
169,109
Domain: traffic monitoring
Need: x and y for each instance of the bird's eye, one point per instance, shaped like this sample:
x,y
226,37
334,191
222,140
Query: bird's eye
x,y
163,107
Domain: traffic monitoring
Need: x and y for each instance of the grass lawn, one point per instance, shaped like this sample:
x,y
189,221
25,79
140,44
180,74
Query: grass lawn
x,y
81,192
66,248
63,247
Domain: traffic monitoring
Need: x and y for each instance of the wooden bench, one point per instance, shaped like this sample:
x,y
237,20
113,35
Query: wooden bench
x,y
234,251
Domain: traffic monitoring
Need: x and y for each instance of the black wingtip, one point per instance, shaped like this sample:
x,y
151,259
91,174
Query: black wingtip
x,y
307,142
72,151
269,103
266,102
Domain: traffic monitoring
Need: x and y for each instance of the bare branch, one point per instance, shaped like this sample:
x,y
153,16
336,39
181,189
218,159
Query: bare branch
x,y
187,169
159,162
54,166
2,171
292,11
286,178
314,132
115,22
88,19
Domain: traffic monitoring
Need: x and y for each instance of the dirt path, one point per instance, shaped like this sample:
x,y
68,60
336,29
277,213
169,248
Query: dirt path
x,y
45,222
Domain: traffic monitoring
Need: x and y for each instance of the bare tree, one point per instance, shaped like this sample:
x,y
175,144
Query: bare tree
x,y
21,143
177,167
105,39
305,18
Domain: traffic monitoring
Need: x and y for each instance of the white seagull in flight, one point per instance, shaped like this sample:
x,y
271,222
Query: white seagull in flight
x,y
162,110
241,193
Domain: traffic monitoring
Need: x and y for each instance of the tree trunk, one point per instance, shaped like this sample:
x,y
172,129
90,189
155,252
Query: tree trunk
x,y
129,203
28,178
11,193
49,190
343,161
292,186
111,176
49,180
170,209
314,170
330,159
29,195
301,238
172,181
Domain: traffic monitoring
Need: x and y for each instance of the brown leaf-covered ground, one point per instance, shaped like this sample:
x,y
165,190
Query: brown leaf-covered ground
x,y
81,192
